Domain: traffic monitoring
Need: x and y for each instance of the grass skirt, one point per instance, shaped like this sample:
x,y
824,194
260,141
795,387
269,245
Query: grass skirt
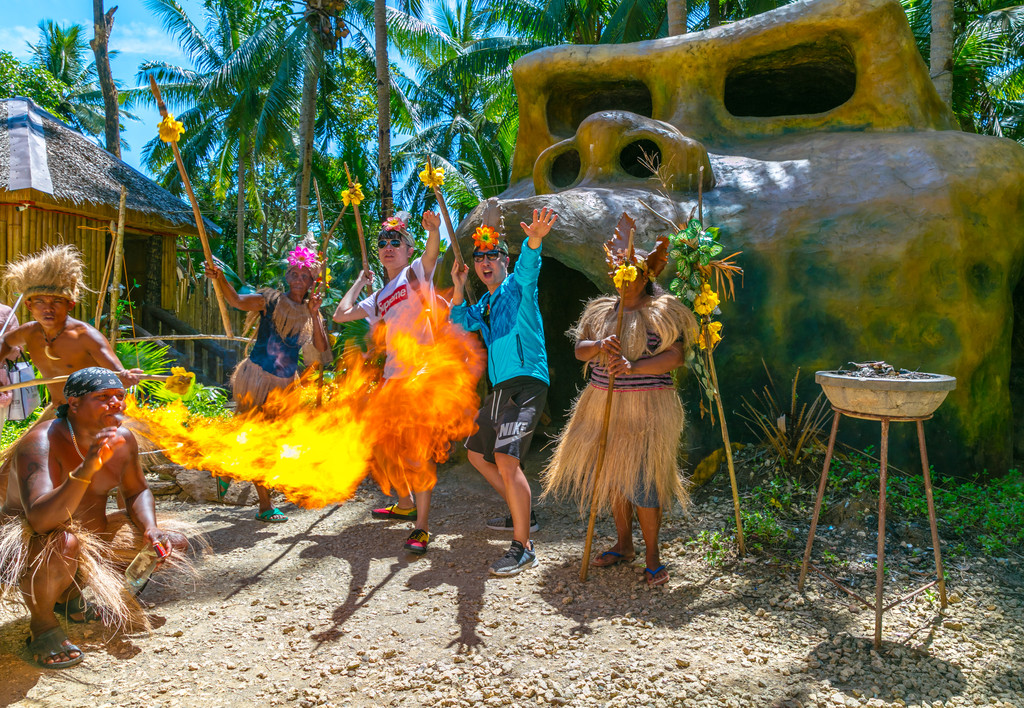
x,y
640,457
250,385
101,563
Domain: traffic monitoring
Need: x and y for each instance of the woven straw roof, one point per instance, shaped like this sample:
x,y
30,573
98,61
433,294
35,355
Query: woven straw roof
x,y
75,171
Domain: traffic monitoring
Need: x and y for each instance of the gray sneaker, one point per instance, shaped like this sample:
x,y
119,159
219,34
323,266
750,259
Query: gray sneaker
x,y
516,559
505,524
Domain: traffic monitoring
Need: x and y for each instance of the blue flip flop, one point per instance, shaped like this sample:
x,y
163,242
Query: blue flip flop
x,y
651,581
615,559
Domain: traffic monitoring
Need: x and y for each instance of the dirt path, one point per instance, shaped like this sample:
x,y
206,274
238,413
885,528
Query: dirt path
x,y
327,610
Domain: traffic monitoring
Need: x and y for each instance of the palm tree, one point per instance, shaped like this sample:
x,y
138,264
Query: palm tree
x,y
987,62
941,50
64,52
231,117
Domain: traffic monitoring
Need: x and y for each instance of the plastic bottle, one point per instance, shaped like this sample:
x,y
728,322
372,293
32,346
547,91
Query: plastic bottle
x,y
138,572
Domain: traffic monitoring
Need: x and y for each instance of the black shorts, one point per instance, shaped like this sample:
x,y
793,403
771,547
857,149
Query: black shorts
x,y
508,417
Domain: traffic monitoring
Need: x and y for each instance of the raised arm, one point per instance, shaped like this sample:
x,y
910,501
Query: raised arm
x,y
432,225
539,227
348,309
252,302
320,340
47,507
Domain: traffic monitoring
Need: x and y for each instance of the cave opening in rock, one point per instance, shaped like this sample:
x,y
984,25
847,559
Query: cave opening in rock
x,y
569,105
636,157
812,77
565,169
562,294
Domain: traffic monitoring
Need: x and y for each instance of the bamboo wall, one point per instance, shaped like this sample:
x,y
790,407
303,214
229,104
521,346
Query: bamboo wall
x,y
28,231
197,305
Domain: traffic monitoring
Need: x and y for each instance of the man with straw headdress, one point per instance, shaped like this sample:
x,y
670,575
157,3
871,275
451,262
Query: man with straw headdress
x,y
51,282
400,305
288,322
508,318
640,471
56,536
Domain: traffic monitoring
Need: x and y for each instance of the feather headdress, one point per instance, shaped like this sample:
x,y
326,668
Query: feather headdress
x,y
488,235
56,270
618,255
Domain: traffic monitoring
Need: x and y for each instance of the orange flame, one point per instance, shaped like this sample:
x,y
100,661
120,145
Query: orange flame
x,y
395,429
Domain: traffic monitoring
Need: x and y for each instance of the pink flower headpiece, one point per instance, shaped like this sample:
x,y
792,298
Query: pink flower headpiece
x,y
302,257
393,223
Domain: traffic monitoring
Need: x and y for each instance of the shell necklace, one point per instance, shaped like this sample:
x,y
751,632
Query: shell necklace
x,y
73,440
51,340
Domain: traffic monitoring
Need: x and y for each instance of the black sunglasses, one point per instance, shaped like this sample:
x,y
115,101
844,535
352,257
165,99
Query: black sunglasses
x,y
478,257
394,243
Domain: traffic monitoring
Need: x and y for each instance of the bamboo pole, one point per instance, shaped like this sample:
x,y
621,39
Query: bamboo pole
x,y
200,226
106,279
323,279
603,444
443,206
115,273
185,337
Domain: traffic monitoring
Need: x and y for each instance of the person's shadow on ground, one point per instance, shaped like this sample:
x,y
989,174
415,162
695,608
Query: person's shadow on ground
x,y
358,545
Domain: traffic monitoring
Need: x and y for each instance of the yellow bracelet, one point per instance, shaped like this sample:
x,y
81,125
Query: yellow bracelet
x,y
71,475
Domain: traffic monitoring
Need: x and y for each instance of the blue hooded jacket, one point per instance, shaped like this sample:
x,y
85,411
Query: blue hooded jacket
x,y
515,336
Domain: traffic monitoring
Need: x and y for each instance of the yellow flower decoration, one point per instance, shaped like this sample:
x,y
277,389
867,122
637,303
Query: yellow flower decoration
x,y
485,239
624,275
432,178
327,278
353,196
170,130
706,302
713,332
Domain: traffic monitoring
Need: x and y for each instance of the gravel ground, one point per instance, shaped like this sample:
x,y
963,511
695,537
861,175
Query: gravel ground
x,y
328,610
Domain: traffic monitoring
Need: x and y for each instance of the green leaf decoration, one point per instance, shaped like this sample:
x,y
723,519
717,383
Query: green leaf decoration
x,y
684,269
705,259
716,249
695,282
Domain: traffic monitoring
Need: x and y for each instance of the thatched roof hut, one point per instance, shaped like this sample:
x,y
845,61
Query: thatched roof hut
x,y
58,186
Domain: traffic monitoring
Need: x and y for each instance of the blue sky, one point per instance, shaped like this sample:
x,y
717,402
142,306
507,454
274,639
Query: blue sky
x,y
138,36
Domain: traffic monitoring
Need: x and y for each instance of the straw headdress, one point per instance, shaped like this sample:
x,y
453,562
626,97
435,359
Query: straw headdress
x,y
56,270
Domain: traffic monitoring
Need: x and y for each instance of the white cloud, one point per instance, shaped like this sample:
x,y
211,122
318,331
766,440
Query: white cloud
x,y
14,39
149,41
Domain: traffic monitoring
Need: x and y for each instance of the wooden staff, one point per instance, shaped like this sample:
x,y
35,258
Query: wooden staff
x,y
359,223
326,241
115,289
443,206
323,285
200,227
602,446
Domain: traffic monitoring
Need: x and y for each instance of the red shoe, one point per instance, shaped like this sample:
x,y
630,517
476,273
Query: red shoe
x,y
418,541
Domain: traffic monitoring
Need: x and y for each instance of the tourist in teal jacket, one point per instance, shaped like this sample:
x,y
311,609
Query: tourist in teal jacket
x,y
508,318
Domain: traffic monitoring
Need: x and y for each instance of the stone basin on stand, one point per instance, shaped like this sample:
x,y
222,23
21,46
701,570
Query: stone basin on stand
x,y
885,397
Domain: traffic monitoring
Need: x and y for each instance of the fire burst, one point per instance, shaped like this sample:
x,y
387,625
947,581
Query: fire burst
x,y
319,455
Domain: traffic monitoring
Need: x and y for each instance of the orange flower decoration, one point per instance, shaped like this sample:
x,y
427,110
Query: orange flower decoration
x,y
485,239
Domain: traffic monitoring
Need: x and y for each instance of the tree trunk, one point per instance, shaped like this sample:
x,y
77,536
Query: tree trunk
x,y
243,154
102,24
714,13
942,49
383,107
307,121
677,12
